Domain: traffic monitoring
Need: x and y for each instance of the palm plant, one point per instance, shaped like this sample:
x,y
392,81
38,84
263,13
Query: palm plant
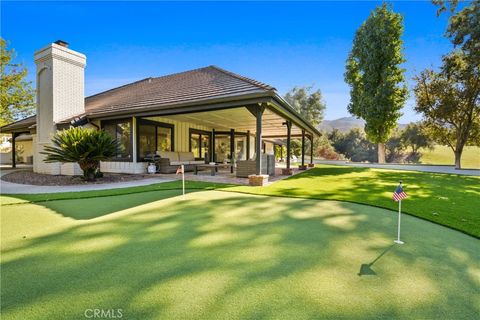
x,y
87,147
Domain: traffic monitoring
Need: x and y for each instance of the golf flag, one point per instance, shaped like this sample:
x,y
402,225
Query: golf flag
x,y
399,194
181,170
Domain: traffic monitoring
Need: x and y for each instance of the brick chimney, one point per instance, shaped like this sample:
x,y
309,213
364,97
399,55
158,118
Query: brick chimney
x,y
60,93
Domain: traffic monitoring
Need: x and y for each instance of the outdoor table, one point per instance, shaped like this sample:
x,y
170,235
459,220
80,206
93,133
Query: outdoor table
x,y
213,167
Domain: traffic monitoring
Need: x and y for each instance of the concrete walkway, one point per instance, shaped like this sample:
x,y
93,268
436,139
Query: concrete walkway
x,y
16,188
411,167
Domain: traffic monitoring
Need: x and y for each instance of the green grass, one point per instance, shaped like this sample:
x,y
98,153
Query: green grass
x,y
444,156
173,185
450,200
223,255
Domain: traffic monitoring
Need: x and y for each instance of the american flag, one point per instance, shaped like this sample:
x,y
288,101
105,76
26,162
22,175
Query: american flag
x,y
179,170
399,194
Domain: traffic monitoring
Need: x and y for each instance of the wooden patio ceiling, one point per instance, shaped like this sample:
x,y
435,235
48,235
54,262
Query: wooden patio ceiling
x,y
239,119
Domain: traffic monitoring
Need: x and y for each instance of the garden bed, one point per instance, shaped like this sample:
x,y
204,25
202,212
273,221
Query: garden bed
x,y
38,179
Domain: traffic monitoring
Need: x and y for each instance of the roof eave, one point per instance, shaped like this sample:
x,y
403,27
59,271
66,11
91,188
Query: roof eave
x,y
18,126
188,107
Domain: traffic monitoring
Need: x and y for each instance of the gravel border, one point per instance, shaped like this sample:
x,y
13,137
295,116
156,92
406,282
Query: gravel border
x,y
39,179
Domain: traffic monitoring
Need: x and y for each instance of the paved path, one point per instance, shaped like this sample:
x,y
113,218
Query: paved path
x,y
16,188
424,168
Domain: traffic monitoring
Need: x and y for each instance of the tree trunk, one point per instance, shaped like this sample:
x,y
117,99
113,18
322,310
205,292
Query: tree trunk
x,y
381,152
89,169
458,160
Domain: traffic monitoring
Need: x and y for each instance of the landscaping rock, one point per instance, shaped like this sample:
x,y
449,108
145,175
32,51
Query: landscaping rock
x,y
38,179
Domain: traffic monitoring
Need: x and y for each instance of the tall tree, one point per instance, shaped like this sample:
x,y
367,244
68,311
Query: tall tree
x,y
377,83
449,99
310,105
16,94
464,26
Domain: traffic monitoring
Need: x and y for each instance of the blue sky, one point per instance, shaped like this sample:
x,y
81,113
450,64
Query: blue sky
x,y
281,43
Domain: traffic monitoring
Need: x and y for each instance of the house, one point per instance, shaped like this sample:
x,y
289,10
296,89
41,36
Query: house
x,y
214,113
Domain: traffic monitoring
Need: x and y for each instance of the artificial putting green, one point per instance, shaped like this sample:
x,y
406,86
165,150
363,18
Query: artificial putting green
x,y
448,199
224,255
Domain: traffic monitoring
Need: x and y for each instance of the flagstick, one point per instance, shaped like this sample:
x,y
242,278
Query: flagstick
x,y
183,180
398,241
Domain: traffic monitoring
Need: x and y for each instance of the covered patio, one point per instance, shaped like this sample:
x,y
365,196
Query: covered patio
x,y
235,134
224,134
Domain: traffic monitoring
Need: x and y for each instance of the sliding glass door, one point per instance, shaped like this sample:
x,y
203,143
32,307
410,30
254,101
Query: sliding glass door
x,y
222,148
241,147
200,144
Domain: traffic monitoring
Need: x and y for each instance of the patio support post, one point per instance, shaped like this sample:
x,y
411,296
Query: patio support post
x,y
302,166
212,153
248,145
289,140
14,162
311,150
232,149
258,139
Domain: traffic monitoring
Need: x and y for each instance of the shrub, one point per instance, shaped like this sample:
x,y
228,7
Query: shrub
x,y
353,145
87,147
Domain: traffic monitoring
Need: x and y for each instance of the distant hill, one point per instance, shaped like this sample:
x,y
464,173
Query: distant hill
x,y
345,124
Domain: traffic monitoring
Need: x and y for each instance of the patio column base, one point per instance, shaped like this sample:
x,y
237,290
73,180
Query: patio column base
x,y
287,171
311,165
302,167
258,180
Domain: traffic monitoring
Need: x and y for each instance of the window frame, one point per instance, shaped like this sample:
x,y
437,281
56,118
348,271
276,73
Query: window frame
x,y
157,124
200,134
115,122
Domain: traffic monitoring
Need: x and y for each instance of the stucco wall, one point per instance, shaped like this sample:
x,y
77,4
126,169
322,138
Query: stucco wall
x,y
123,167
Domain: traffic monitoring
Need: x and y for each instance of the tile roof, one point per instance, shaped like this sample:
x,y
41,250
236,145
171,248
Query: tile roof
x,y
194,88
20,124
189,86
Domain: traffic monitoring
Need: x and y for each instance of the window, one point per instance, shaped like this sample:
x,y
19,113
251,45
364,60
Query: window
x,y
122,131
222,148
200,143
153,136
241,147
164,139
146,140
195,144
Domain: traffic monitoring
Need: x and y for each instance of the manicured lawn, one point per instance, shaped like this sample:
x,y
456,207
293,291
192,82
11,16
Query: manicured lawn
x,y
444,155
450,200
173,185
224,255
